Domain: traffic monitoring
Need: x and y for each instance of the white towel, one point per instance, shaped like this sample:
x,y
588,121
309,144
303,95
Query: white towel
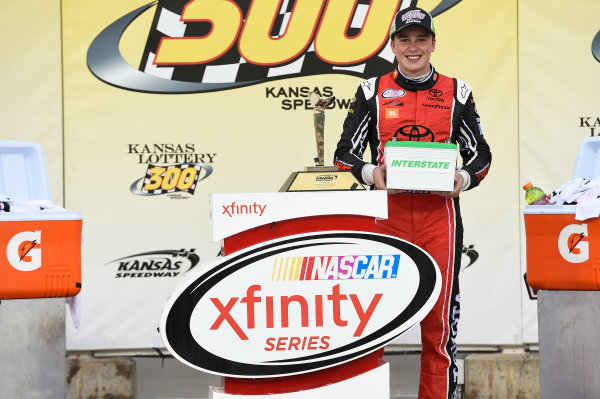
x,y
74,303
569,192
588,205
23,205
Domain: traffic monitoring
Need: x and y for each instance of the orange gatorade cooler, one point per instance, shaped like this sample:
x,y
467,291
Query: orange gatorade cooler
x,y
40,254
562,253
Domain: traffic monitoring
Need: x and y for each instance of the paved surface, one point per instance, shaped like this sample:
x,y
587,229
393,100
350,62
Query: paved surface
x,y
172,379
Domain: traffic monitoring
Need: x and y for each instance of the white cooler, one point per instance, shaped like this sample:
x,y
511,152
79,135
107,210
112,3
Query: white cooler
x,y
40,252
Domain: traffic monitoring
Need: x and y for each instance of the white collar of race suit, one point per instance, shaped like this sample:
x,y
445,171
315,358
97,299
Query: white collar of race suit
x,y
418,79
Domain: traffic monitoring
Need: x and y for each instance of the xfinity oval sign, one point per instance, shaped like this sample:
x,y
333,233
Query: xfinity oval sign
x,y
299,304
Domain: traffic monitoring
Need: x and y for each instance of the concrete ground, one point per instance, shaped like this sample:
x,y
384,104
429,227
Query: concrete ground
x,y
170,379
491,375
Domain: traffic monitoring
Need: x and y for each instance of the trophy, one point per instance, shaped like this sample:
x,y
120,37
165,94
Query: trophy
x,y
320,177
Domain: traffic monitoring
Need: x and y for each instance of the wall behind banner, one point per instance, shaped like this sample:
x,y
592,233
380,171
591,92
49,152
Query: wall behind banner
x,y
558,98
33,337
31,82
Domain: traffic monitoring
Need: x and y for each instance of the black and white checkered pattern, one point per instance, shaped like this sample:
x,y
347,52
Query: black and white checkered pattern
x,y
231,67
182,167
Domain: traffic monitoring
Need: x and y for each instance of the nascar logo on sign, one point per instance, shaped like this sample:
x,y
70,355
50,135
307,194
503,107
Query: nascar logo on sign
x,y
299,304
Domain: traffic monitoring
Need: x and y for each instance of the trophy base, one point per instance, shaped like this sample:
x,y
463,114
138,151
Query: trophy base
x,y
321,178
321,168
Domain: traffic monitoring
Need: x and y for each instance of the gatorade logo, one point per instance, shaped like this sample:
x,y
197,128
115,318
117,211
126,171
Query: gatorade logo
x,y
571,244
23,252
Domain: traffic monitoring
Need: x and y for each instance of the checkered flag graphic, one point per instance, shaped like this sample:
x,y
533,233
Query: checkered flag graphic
x,y
176,188
231,67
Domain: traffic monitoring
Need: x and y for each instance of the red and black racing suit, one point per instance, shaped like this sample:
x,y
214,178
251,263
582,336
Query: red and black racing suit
x,y
439,109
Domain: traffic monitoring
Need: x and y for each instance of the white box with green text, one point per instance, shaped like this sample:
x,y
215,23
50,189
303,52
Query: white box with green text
x,y
417,165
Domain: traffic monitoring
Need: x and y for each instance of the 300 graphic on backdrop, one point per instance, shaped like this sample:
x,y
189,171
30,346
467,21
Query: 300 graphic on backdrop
x,y
315,37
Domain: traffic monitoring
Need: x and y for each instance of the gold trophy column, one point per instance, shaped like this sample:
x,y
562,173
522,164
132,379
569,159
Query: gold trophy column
x,y
320,177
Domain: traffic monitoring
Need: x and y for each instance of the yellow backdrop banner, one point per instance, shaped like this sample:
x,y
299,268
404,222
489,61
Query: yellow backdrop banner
x,y
31,100
159,113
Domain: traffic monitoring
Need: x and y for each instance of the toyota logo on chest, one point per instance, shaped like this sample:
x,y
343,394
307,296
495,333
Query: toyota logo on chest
x,y
435,92
415,133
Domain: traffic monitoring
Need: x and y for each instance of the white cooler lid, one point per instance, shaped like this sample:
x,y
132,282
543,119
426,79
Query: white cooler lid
x,y
32,216
549,209
23,171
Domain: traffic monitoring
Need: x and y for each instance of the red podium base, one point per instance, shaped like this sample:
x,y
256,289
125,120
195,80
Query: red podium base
x,y
315,379
311,224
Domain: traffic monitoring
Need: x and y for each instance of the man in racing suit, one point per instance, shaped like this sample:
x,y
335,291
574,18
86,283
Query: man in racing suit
x,y
415,103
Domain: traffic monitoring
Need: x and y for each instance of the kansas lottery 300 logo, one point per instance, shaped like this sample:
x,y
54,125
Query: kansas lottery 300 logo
x,y
208,45
170,179
171,168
